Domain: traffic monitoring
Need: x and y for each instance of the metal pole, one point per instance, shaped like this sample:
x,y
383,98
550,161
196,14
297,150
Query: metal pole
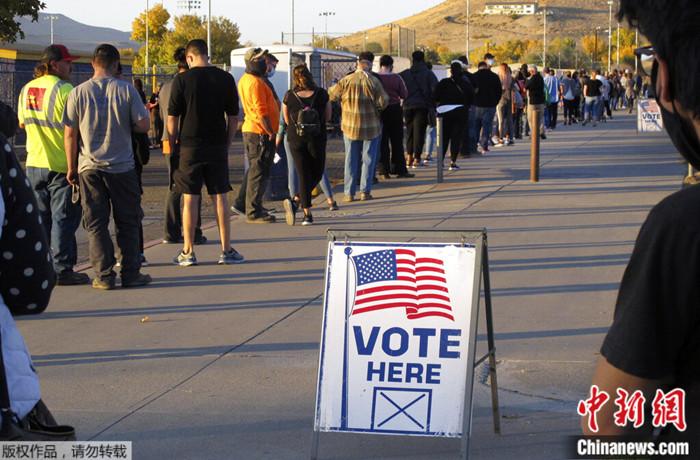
x,y
544,47
595,49
636,45
145,67
440,148
209,30
617,60
610,37
292,25
467,21
52,18
535,146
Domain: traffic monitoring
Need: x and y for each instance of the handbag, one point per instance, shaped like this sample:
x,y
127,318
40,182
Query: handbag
x,y
38,425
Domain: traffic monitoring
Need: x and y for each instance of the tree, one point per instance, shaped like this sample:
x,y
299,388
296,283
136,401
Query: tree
x,y
595,53
561,53
374,47
11,9
158,18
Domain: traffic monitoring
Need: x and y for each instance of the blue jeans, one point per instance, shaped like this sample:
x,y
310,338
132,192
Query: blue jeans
x,y
483,123
59,215
293,179
591,109
367,152
431,136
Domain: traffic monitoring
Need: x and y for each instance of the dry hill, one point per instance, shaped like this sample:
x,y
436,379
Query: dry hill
x,y
444,24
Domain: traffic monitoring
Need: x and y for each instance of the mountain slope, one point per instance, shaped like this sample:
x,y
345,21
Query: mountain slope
x,y
75,35
445,24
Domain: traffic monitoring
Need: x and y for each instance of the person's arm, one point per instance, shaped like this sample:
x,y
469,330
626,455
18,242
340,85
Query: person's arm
x,y
20,109
140,117
231,129
585,90
608,378
232,108
285,112
70,143
173,127
403,91
329,111
70,138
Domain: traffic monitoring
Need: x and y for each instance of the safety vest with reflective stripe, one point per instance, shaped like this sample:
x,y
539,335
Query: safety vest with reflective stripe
x,y
40,110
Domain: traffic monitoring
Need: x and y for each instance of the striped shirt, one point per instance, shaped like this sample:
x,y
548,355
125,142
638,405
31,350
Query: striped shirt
x,y
361,97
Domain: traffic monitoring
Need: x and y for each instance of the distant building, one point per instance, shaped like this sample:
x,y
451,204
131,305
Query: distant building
x,y
510,8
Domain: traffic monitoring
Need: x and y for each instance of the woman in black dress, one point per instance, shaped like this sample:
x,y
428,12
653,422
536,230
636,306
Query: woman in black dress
x,y
307,138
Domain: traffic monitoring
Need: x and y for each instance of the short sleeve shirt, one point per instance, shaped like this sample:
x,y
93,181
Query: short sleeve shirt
x,y
294,106
593,86
656,328
40,109
202,97
105,110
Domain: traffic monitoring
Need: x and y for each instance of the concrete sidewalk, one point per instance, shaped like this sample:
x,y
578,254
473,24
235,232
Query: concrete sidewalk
x,y
220,362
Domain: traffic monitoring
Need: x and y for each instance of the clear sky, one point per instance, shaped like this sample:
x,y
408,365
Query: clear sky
x,y
260,21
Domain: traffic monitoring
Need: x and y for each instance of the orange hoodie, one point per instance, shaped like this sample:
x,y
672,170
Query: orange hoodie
x,y
258,101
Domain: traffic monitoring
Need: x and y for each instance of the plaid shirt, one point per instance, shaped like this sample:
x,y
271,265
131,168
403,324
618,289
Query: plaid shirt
x,y
361,97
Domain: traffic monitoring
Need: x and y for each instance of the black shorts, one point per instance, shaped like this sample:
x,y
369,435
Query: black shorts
x,y
202,165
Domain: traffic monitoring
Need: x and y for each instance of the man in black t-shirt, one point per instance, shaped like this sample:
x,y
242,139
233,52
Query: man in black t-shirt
x,y
591,94
206,99
535,99
653,344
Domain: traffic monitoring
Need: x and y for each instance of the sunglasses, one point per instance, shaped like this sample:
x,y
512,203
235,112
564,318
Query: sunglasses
x,y
646,57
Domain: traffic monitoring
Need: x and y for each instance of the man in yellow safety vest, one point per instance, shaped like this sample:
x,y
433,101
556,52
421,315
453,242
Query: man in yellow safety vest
x,y
40,113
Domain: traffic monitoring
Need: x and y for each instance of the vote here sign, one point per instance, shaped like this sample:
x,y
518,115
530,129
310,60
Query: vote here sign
x,y
395,344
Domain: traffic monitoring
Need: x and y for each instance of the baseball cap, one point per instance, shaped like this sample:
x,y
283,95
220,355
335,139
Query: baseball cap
x,y
57,53
254,53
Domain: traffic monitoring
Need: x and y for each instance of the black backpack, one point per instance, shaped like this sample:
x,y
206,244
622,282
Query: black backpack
x,y
308,120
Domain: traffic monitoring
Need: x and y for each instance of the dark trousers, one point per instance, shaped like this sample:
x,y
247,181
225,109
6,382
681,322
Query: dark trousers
x,y
416,123
518,123
173,209
260,152
392,138
102,193
310,163
569,110
552,111
454,124
59,215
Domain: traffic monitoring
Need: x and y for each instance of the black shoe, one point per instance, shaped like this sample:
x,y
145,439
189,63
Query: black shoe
x,y
308,220
72,278
167,240
333,206
405,175
140,279
200,240
239,211
263,219
386,176
543,136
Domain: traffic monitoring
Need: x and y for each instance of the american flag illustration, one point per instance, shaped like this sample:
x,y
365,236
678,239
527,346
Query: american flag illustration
x,y
396,278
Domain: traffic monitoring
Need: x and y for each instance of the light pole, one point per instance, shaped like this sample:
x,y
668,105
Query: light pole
x,y
190,5
365,47
467,21
292,22
617,59
146,66
594,60
610,4
544,41
209,30
51,18
636,45
545,13
325,14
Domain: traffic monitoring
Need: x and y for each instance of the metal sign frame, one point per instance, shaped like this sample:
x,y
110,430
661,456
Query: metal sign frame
x,y
478,239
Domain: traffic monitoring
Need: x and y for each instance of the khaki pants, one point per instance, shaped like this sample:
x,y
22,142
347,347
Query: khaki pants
x,y
535,115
